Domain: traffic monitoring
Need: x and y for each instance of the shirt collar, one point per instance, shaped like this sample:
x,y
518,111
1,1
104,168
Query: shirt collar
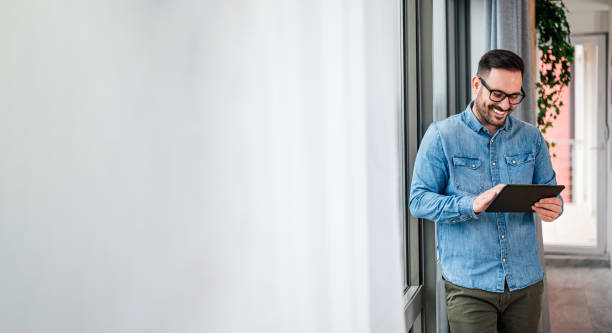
x,y
470,119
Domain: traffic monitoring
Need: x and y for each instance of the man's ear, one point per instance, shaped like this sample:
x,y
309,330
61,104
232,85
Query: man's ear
x,y
475,85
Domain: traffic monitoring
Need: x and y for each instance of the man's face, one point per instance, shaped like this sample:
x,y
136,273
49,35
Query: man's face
x,y
493,114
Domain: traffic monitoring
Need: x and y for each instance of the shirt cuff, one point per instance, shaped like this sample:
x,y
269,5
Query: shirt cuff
x,y
466,210
562,205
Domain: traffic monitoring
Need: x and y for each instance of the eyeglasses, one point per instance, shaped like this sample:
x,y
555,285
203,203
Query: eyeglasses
x,y
498,95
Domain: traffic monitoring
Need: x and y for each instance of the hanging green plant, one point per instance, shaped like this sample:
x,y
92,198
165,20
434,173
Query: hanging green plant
x,y
556,57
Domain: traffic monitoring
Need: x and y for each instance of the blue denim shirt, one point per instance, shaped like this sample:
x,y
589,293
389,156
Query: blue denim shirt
x,y
457,160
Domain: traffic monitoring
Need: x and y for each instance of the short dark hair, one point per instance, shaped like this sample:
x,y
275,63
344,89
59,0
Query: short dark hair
x,y
499,58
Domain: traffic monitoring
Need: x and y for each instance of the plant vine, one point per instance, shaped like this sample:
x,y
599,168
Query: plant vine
x,y
556,57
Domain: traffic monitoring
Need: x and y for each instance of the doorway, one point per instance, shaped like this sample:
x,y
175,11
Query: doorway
x,y
579,144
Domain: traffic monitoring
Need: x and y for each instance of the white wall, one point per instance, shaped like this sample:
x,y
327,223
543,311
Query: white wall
x,y
217,166
587,16
585,22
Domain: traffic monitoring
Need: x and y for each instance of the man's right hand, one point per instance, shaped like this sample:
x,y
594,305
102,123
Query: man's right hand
x,y
482,201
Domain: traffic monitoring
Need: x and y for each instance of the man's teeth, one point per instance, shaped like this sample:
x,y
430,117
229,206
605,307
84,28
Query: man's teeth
x,y
498,112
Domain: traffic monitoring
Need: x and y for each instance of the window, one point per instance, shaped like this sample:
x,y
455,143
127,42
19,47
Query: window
x,y
412,229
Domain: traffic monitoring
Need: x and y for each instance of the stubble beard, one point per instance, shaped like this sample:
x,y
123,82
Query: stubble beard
x,y
484,111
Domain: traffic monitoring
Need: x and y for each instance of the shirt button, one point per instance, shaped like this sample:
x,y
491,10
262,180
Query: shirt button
x,y
492,140
473,165
503,236
503,259
513,162
493,163
454,221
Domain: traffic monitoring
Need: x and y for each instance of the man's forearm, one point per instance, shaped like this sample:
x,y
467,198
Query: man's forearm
x,y
441,208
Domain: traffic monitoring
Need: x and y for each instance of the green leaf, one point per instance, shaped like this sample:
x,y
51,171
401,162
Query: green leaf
x,y
556,58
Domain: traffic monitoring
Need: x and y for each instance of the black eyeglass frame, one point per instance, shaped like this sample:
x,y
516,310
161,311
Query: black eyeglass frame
x,y
521,94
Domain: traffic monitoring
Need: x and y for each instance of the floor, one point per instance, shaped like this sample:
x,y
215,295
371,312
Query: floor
x,y
580,299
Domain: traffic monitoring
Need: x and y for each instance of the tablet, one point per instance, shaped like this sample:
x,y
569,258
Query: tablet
x,y
520,198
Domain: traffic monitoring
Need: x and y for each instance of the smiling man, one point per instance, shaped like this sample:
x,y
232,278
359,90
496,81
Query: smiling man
x,y
490,261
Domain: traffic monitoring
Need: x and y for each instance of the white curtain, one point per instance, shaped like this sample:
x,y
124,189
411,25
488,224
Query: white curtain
x,y
508,27
188,166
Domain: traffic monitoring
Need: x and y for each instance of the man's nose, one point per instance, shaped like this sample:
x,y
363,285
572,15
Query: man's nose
x,y
505,103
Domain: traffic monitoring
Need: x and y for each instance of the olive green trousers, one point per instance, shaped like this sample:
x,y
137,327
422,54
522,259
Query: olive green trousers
x,y
475,310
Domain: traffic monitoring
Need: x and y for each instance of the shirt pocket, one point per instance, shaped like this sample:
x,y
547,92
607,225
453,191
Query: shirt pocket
x,y
520,168
468,175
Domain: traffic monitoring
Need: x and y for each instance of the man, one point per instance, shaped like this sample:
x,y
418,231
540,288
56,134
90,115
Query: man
x,y
490,261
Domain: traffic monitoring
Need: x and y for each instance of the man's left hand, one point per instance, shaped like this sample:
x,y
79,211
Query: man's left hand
x,y
548,208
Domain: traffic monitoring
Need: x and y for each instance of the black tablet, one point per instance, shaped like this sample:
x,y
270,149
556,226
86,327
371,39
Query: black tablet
x,y
520,198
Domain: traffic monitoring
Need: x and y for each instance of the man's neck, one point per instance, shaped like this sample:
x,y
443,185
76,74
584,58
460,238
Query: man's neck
x,y
492,129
